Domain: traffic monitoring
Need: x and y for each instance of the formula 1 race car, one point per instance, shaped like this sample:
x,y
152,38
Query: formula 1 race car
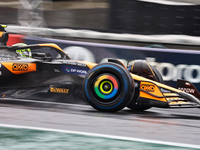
x,y
45,72
107,86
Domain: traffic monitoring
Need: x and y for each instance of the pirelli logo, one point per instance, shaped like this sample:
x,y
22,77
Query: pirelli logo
x,y
148,87
59,90
19,67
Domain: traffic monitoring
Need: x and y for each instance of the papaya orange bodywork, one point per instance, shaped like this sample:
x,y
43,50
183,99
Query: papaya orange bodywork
x,y
146,95
19,68
1,34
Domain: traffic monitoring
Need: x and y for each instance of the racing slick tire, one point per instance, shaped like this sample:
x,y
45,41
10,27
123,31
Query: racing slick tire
x,y
139,107
108,87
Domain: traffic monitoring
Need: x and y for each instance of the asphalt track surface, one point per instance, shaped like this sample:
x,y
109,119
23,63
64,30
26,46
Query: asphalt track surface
x,y
168,125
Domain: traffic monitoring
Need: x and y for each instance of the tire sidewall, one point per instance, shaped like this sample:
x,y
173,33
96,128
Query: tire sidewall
x,y
125,90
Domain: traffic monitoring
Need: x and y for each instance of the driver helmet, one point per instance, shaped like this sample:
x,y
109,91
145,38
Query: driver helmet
x,y
23,52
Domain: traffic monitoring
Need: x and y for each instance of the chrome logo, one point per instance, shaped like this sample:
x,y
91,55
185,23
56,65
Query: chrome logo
x,y
106,86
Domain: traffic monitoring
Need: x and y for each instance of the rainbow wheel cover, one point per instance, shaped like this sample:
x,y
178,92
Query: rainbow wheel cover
x,y
106,86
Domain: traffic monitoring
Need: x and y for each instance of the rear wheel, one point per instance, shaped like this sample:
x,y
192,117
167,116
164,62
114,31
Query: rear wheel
x,y
108,87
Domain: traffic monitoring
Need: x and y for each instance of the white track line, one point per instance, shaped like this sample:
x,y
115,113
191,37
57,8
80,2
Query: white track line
x,y
166,2
104,136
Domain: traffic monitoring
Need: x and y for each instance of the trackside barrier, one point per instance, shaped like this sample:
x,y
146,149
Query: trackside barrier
x,y
154,17
172,64
63,33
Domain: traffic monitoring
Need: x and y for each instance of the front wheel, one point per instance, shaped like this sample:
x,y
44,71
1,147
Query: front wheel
x,y
108,87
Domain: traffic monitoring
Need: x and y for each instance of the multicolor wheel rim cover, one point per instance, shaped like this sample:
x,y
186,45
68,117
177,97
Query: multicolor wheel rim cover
x,y
106,86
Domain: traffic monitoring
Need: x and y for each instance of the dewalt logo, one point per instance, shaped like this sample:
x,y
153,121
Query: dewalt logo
x,y
147,87
19,67
58,90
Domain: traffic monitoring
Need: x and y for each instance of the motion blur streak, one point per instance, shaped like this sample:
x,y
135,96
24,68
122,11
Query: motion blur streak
x,y
51,138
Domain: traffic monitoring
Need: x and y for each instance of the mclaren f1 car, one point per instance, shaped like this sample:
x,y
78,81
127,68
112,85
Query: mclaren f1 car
x,y
45,72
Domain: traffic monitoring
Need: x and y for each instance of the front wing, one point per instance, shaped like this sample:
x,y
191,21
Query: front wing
x,y
161,95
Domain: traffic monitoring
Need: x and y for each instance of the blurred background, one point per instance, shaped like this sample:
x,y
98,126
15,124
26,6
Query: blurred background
x,y
76,14
143,17
163,32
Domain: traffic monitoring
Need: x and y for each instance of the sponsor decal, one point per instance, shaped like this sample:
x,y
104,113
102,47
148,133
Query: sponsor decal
x,y
68,70
187,90
70,62
148,87
19,67
74,70
56,70
75,63
5,57
81,64
59,90
173,72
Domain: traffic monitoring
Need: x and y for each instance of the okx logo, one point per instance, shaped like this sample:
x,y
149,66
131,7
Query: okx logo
x,y
19,67
148,87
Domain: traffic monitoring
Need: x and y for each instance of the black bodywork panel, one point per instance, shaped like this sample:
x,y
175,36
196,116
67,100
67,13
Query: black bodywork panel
x,y
39,78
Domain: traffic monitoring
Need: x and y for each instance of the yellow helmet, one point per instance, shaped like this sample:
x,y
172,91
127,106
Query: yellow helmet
x,y
23,52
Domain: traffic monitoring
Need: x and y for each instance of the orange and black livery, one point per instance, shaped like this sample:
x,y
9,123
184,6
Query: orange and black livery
x,y
45,72
50,75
